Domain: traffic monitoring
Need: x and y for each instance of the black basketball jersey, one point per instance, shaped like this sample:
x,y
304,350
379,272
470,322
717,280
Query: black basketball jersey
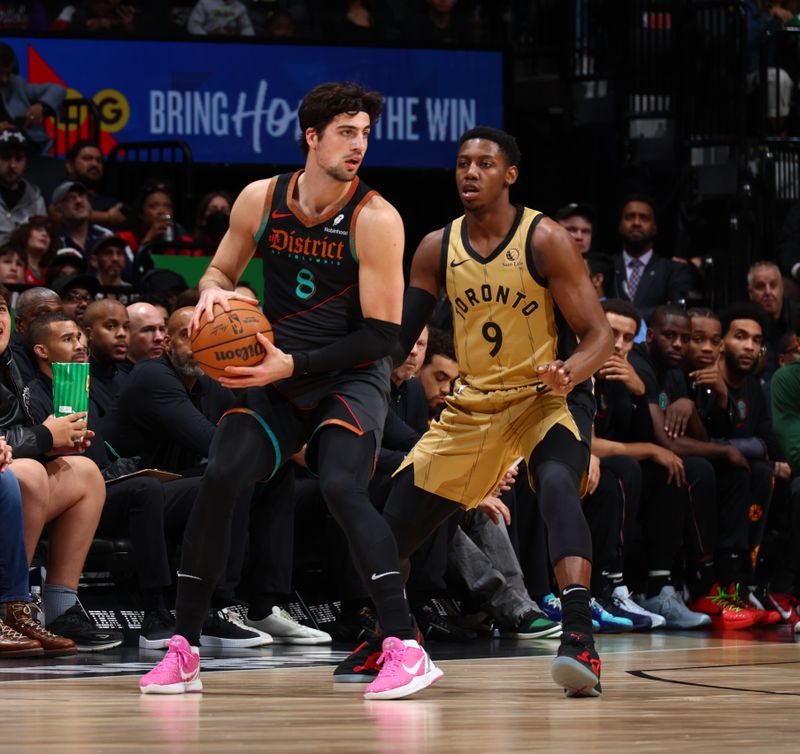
x,y
310,268
311,293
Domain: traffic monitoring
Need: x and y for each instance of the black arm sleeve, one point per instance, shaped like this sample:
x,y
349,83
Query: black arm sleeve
x,y
418,306
369,343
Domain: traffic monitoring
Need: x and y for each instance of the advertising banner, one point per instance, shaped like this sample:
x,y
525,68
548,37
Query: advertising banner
x,y
237,103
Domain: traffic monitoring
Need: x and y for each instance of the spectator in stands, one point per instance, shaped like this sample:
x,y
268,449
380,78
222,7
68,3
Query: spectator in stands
x,y
220,17
19,199
107,258
72,211
441,23
162,409
24,105
212,220
765,289
12,265
148,330
64,263
439,369
107,328
623,433
640,275
153,218
101,16
15,598
30,305
59,486
789,349
138,507
36,239
716,473
578,219
84,165
76,293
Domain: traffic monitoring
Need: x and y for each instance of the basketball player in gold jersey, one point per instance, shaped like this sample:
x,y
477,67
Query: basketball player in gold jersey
x,y
519,294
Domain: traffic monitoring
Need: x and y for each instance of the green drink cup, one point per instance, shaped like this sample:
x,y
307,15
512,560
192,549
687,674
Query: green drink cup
x,y
70,388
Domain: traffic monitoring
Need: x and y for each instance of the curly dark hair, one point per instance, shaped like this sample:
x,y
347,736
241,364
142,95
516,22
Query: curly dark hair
x,y
324,102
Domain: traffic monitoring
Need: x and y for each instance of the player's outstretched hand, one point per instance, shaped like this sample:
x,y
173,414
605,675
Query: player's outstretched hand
x,y
276,365
211,297
557,376
496,509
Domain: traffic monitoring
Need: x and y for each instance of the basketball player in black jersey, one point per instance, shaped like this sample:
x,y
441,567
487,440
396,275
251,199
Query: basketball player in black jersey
x,y
519,293
333,291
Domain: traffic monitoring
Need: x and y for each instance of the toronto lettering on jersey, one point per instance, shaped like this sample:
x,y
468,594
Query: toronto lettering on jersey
x,y
291,243
488,294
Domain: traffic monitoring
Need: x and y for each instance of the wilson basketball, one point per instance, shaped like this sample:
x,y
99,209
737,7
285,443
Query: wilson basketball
x,y
230,340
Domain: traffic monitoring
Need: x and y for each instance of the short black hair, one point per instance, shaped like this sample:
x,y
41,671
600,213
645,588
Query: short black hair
x,y
637,196
741,310
440,343
8,58
666,310
785,341
75,149
624,309
40,327
324,102
507,143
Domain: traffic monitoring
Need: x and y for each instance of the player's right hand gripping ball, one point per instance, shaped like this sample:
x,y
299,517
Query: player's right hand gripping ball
x,y
230,340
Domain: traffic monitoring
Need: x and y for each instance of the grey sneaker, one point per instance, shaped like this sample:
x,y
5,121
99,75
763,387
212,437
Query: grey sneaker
x,y
286,630
670,604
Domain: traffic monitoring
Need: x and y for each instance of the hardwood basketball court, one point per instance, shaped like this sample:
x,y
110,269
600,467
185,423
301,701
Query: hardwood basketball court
x,y
687,691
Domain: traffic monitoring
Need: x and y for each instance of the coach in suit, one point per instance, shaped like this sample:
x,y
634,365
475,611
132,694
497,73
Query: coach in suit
x,y
640,275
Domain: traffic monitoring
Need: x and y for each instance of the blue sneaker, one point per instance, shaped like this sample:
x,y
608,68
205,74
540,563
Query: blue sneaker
x,y
550,605
608,623
640,622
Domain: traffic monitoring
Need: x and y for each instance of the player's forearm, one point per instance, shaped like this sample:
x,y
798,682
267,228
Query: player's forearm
x,y
215,278
639,451
374,340
592,352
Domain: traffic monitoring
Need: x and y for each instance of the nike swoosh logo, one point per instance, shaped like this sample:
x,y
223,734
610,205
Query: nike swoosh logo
x,y
414,668
279,215
541,387
376,576
574,589
453,262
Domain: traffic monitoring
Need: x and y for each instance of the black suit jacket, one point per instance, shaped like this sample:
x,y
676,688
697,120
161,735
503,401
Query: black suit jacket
x,y
663,281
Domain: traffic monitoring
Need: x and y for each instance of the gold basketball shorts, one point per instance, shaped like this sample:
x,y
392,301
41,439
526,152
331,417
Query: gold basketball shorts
x,y
479,435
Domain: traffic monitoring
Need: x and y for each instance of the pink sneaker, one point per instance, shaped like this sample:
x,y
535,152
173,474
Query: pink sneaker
x,y
405,669
177,673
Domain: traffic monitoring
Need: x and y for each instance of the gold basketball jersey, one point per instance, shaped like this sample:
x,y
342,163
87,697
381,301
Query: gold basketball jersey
x,y
504,317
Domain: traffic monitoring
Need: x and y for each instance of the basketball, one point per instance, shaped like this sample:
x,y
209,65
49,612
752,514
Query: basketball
x,y
230,339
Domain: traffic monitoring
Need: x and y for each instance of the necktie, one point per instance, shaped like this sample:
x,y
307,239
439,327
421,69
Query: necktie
x,y
634,277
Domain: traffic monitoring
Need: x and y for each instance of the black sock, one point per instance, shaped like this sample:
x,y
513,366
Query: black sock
x,y
388,593
656,581
700,577
576,615
191,607
261,606
153,599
